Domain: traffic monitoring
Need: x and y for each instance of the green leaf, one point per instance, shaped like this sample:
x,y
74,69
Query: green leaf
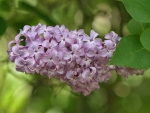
x,y
3,26
136,27
138,9
131,53
145,39
42,15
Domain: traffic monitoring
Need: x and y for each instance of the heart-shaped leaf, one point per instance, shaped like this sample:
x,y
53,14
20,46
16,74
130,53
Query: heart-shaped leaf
x,y
131,53
138,9
145,39
136,28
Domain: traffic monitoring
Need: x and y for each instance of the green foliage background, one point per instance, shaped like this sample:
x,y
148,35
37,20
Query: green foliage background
x,y
22,93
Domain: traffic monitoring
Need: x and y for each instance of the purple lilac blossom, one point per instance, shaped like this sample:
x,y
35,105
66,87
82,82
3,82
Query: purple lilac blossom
x,y
73,56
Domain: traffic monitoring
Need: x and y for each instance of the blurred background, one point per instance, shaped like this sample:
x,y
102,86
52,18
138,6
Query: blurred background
x,y
22,93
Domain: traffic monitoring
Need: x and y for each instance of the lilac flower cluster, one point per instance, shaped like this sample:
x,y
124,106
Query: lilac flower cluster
x,y
73,56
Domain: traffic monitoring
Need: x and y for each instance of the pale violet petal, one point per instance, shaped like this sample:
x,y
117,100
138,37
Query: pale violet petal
x,y
67,55
45,43
19,61
93,34
75,47
90,53
15,50
86,73
30,61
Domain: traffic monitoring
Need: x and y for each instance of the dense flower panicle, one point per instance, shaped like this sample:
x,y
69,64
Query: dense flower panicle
x,y
73,56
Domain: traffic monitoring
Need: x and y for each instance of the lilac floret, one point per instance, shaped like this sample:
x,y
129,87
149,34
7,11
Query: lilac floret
x,y
73,56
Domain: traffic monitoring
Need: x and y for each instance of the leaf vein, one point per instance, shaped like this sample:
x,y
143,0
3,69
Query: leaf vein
x,y
128,55
142,5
